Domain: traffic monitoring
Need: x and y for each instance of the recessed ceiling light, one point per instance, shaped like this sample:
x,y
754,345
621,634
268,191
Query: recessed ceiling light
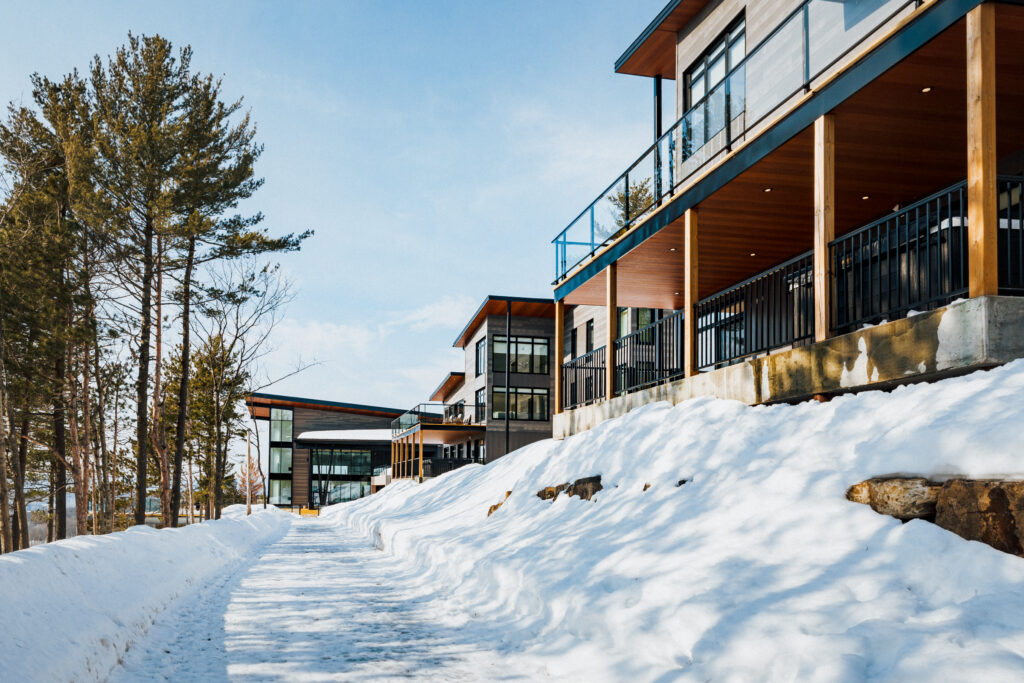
x,y
926,89
866,197
753,253
675,293
767,189
671,248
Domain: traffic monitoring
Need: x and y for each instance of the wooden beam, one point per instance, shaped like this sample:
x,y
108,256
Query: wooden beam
x,y
824,221
690,293
982,208
559,352
421,456
612,306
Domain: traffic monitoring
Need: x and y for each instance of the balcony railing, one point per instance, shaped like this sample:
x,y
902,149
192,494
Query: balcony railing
x,y
809,42
771,310
1011,236
440,414
650,355
583,379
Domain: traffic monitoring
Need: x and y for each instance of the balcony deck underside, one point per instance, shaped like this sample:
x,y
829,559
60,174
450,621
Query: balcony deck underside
x,y
894,144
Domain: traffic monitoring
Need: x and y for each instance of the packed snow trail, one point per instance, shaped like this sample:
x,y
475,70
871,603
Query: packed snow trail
x,y
321,604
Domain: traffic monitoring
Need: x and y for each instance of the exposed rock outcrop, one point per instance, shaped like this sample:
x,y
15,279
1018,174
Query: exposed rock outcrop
x,y
984,510
490,510
905,499
585,488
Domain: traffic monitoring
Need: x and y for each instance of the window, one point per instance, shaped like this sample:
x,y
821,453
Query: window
x,y
718,60
481,357
572,343
280,492
526,403
339,462
280,460
280,425
529,355
481,403
590,336
623,322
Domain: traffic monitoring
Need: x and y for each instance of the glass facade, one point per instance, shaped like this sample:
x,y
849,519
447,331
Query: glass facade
x,y
339,474
280,424
526,403
280,460
529,355
280,491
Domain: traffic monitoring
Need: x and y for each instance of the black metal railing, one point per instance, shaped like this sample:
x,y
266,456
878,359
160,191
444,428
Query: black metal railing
x,y
649,356
583,379
441,414
912,259
437,466
805,46
771,310
1011,235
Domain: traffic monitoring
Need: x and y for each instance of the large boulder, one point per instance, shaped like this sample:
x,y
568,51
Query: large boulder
x,y
903,498
585,488
984,510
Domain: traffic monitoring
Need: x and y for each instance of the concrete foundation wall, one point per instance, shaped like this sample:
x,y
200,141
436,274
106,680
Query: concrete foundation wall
x,y
964,336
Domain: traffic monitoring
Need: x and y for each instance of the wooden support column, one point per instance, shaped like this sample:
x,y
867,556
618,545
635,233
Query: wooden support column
x,y
690,292
421,456
392,458
982,207
824,221
612,303
559,352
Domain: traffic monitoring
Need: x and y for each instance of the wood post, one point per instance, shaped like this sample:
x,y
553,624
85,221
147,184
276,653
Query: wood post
x,y
421,455
611,299
559,352
392,459
824,221
690,292
982,207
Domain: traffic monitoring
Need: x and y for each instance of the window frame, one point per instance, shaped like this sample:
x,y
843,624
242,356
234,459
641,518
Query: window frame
x,y
531,355
481,356
536,410
725,42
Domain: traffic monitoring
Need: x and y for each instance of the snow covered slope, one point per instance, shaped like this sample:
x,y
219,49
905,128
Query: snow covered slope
x,y
70,609
757,568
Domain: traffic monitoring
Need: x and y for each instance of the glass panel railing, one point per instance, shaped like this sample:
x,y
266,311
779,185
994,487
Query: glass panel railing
x,y
801,48
440,414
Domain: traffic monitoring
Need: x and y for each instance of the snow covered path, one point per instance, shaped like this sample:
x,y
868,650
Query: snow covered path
x,y
318,605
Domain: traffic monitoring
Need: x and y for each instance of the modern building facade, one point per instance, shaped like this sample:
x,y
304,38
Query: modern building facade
x,y
839,176
500,400
323,452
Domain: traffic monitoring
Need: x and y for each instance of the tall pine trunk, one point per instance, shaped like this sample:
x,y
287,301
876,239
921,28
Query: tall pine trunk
x,y
6,535
104,488
78,459
20,504
179,432
159,427
142,386
60,471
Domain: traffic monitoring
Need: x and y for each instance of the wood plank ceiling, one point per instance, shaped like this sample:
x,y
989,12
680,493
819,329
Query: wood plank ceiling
x,y
894,144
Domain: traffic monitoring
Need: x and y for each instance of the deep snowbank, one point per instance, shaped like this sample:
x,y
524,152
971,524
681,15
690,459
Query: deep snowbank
x,y
757,568
71,608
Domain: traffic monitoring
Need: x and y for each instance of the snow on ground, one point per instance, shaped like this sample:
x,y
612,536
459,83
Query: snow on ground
x,y
70,609
757,568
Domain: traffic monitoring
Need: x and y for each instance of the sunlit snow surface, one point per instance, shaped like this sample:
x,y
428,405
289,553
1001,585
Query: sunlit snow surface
x,y
756,569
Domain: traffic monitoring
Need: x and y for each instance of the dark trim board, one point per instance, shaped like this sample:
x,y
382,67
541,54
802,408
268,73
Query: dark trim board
x,y
318,404
934,20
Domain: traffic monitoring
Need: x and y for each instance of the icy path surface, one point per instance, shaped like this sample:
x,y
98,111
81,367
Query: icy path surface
x,y
319,605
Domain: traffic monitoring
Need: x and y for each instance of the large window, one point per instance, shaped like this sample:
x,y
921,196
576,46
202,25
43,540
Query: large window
x,y
481,403
481,357
280,491
573,343
529,355
623,316
526,403
718,60
590,336
280,425
280,460
338,462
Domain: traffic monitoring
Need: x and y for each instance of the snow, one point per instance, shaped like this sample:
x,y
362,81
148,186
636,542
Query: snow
x,y
72,608
341,435
757,568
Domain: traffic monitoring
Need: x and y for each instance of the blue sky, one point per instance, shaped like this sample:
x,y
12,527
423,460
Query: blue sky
x,y
434,147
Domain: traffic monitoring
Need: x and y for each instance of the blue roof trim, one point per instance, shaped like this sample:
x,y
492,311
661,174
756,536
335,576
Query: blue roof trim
x,y
911,37
651,28
333,404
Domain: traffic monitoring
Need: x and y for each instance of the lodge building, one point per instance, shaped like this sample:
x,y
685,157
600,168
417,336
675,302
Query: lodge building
x,y
840,175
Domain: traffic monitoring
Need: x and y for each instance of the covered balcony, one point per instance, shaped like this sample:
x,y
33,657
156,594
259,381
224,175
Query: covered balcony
x,y
890,189
432,423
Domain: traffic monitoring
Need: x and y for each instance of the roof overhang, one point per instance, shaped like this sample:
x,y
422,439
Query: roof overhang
x,y
259,406
653,53
521,307
448,385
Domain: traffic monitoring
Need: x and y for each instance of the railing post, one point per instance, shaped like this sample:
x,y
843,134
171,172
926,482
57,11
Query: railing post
x,y
807,48
593,244
611,274
982,207
421,455
824,222
559,352
690,292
